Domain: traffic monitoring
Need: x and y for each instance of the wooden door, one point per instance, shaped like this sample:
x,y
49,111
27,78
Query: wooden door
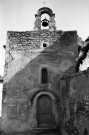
x,y
44,111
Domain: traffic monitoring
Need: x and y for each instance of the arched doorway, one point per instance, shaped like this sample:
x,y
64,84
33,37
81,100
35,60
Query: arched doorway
x,y
45,117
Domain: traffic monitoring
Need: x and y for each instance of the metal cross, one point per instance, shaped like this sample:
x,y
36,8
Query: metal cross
x,y
44,3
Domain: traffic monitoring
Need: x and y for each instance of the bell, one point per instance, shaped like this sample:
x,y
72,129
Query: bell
x,y
45,22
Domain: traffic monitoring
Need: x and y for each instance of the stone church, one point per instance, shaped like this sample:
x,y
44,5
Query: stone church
x,y
43,93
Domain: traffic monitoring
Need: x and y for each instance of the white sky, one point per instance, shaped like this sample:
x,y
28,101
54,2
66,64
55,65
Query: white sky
x,y
18,15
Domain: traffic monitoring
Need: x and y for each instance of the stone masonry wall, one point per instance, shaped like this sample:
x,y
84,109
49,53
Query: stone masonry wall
x,y
76,101
22,79
61,43
31,39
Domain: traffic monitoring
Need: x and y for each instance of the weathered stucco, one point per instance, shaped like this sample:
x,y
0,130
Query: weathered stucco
x,y
25,58
77,88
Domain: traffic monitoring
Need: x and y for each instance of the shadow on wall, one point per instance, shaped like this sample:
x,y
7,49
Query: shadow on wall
x,y
51,57
27,78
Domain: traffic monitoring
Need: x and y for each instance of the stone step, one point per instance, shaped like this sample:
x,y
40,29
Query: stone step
x,y
45,131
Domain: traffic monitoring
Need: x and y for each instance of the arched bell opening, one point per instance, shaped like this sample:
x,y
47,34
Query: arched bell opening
x,y
45,21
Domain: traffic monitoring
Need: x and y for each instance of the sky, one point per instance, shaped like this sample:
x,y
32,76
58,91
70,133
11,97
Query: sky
x,y
19,15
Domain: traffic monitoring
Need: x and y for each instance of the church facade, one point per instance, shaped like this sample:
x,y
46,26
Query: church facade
x,y
42,91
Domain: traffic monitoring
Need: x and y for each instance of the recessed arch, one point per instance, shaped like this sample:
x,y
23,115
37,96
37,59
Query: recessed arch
x,y
43,91
54,102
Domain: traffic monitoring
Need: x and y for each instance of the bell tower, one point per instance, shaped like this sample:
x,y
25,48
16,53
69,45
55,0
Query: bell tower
x,y
45,22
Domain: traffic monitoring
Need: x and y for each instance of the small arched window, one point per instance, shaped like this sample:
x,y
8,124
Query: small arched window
x,y
44,76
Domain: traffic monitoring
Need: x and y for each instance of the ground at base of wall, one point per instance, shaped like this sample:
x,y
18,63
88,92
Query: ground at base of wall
x,y
17,133
31,133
